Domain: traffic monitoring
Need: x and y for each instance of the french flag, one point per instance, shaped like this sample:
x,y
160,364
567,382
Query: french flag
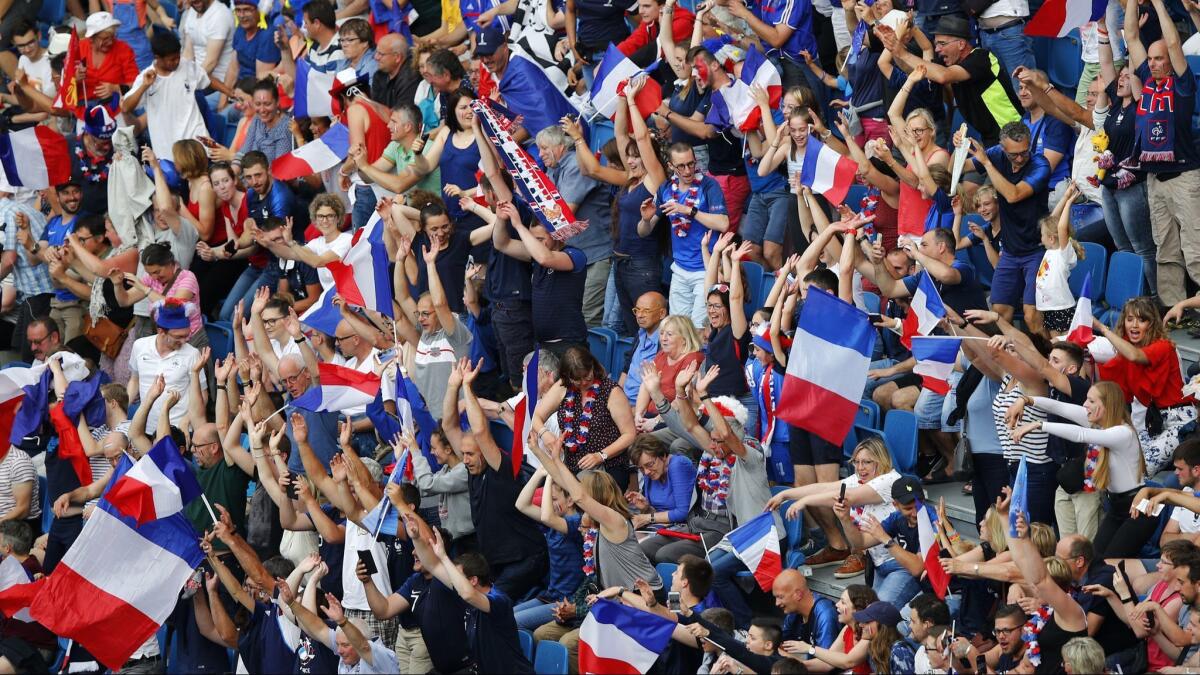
x,y
827,366
613,73
70,447
935,360
323,315
159,485
757,70
323,153
34,158
523,412
362,275
756,544
1081,322
925,310
1019,502
119,581
826,171
340,388
312,91
619,639
733,106
931,551
17,590
1056,18
383,519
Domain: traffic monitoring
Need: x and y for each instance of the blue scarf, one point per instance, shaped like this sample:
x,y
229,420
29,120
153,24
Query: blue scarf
x,y
1156,121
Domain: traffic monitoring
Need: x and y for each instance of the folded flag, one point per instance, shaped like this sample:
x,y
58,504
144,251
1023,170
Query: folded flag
x,y
71,95
931,551
159,485
35,157
935,360
70,447
362,277
756,544
83,398
311,92
612,75
619,639
523,411
323,153
734,107
827,366
340,388
1019,501
17,589
826,171
1056,18
760,72
383,519
1080,331
323,315
118,574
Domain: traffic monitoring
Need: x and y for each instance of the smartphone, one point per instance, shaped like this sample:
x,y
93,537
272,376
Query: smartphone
x,y
127,284
368,562
1150,619
842,494
673,602
291,487
875,318
981,664
231,246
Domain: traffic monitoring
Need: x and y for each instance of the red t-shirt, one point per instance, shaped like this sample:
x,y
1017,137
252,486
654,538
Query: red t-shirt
x,y
667,373
119,66
1158,382
681,30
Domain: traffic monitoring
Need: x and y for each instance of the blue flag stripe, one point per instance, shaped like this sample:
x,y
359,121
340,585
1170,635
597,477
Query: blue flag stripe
x,y
837,322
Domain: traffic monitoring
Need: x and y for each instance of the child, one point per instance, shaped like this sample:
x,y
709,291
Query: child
x,y
933,183
840,84
766,383
1054,298
546,502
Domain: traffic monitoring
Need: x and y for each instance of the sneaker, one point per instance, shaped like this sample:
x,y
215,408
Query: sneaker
x,y
809,547
851,568
826,557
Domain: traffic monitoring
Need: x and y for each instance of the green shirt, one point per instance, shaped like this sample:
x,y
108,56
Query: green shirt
x,y
223,484
402,157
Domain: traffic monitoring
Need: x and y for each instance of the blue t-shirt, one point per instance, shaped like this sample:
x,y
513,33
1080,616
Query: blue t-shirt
x,y
941,212
558,300
192,652
673,494
629,212
271,644
685,244
471,9
55,234
776,181
867,81
755,374
896,525
279,202
439,613
493,636
1020,233
566,559
322,436
598,22
966,294
1050,133
483,347
820,630
261,47
795,14
508,278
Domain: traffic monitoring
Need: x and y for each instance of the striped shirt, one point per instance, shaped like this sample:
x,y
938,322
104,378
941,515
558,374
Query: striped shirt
x,y
270,141
1033,446
32,277
17,468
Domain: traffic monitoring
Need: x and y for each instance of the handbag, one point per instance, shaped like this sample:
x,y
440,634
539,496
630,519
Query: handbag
x,y
1154,420
1070,475
105,335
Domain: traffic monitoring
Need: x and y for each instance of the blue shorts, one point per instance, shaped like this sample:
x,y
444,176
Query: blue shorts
x,y
767,217
1015,280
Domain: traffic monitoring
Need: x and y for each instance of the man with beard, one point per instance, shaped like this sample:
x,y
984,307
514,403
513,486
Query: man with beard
x,y
65,307
91,156
1009,649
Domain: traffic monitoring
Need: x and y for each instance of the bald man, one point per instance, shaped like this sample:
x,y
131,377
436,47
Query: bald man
x,y
224,474
395,82
647,313
808,618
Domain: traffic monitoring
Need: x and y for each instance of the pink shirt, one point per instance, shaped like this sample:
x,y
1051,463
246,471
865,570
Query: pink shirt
x,y
186,281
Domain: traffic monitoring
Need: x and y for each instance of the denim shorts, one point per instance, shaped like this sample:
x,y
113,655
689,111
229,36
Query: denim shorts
x,y
1015,280
767,217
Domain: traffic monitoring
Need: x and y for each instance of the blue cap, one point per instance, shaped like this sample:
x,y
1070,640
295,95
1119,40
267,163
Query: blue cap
x,y
172,316
881,611
99,122
489,41
169,173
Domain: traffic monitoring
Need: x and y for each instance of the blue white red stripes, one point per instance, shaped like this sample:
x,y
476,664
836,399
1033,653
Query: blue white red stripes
x,y
931,552
159,485
1056,18
935,360
34,157
619,639
613,73
523,413
1080,331
323,315
340,388
323,153
925,310
756,544
828,364
361,276
826,171
311,93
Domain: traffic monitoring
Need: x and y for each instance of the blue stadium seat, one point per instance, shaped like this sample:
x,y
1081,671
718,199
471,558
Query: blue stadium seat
x,y
867,417
602,342
900,433
620,352
764,291
501,434
1125,280
1095,262
872,301
793,533
220,337
44,495
526,639
551,659
52,12
14,364
1066,61
754,281
665,572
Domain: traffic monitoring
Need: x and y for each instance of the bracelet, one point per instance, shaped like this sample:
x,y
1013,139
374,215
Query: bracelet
x,y
302,338
1104,42
343,622
825,134
1047,89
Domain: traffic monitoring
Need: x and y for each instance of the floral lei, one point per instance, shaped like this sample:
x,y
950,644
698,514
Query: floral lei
x,y
680,224
589,550
713,476
573,436
93,171
1089,468
1031,630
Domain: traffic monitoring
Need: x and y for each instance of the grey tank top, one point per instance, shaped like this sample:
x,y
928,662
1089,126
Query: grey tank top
x,y
624,563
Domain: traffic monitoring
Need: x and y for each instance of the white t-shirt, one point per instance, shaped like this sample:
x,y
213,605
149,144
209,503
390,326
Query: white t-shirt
x,y
39,73
883,486
1189,521
358,539
1083,163
339,246
171,111
384,658
217,23
148,364
1053,279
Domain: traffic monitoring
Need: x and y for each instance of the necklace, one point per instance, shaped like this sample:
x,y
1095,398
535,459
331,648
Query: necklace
x,y
575,431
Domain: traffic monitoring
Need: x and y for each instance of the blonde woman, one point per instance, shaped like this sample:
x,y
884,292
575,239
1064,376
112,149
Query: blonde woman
x,y
678,347
1113,464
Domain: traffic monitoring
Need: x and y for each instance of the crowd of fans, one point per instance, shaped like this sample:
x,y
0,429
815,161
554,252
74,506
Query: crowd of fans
x,y
174,228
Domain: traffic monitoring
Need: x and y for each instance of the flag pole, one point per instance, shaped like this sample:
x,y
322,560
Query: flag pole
x,y
275,413
208,505
387,502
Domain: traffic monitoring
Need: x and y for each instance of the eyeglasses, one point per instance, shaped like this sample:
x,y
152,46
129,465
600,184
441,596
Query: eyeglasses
x,y
686,166
22,46
943,43
920,130
424,315
1017,155
271,322
863,462
326,216
715,306
1005,631
349,39
339,338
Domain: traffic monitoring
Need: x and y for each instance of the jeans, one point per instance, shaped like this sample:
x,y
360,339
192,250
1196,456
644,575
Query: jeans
x,y
612,312
1012,47
687,294
989,477
894,584
635,276
533,613
1040,489
364,206
518,577
1127,214
243,289
512,320
725,568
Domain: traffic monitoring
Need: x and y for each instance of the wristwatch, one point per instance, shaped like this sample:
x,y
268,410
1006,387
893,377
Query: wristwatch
x,y
812,651
694,212
891,542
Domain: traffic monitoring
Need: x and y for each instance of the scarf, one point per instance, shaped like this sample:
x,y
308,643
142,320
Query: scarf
x,y
713,477
532,184
1156,121
589,550
1031,630
576,425
769,407
680,224
1090,462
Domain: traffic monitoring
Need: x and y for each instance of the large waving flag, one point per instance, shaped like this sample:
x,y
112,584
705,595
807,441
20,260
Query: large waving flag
x,y
361,276
826,171
757,70
828,364
323,315
925,310
523,410
1056,18
613,73
619,639
311,93
17,590
935,360
340,388
1081,322
34,157
159,485
323,153
756,544
732,105
931,551
70,446
1019,502
527,91
119,581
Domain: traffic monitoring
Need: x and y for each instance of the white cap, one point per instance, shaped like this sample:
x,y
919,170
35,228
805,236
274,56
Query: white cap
x,y
894,19
59,43
99,22
1102,350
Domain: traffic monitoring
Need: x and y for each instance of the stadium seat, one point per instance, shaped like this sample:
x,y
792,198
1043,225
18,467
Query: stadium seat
x,y
665,572
526,643
1066,61
867,417
1125,280
1095,262
900,433
621,351
220,338
14,364
52,12
872,301
551,659
754,281
501,433
602,342
793,533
